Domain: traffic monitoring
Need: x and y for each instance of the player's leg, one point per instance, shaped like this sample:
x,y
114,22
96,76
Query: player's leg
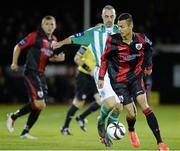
x,y
38,88
25,109
151,120
108,98
124,95
81,92
150,116
106,108
114,115
70,114
13,116
94,106
131,120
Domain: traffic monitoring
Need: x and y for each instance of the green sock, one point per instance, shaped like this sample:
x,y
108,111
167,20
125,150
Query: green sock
x,y
113,117
103,114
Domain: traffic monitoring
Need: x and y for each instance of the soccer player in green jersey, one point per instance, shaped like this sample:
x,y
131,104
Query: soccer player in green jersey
x,y
95,39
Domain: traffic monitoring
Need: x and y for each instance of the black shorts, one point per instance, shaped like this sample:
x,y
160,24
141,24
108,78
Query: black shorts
x,y
85,86
36,85
129,90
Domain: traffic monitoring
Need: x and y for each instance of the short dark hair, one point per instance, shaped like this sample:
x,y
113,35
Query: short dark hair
x,y
125,16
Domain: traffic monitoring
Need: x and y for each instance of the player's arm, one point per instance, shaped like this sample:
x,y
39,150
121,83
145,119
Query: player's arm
x,y
79,60
147,63
24,43
103,66
16,54
57,58
59,44
82,38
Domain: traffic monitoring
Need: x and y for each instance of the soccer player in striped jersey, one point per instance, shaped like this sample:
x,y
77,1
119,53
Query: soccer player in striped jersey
x,y
95,39
127,56
85,87
38,45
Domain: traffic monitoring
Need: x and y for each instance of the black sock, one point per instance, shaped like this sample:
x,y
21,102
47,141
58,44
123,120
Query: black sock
x,y
31,121
24,110
131,122
153,124
72,110
94,106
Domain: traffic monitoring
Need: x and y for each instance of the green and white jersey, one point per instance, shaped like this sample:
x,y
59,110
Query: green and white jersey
x,y
95,39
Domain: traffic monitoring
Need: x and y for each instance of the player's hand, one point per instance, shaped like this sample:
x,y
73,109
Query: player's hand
x,y
14,67
60,57
92,73
56,45
100,84
57,58
147,72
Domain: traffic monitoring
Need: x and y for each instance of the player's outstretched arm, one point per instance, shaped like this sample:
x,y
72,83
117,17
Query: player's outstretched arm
x,y
59,44
16,53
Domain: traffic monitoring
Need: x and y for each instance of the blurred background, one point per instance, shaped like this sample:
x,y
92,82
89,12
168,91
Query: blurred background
x,y
159,19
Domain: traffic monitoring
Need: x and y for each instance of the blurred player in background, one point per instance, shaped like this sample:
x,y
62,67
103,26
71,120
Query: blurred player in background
x,y
85,86
94,106
38,45
125,54
95,39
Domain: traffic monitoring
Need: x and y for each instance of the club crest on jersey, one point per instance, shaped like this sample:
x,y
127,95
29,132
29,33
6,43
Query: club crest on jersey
x,y
138,46
40,94
121,98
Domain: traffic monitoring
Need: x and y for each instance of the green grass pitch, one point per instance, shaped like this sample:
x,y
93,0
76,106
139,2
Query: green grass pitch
x,y
47,129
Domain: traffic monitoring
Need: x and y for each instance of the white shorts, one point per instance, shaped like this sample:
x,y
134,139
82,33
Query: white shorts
x,y
107,90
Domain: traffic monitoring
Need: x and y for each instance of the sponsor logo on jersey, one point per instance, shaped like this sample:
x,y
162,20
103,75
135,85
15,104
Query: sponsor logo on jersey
x,y
47,52
129,57
148,41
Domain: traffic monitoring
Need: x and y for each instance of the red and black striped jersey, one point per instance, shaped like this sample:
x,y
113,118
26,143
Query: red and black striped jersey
x,y
39,50
125,62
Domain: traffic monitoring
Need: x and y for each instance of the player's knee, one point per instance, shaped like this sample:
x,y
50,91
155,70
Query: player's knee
x,y
132,113
110,102
98,99
142,101
39,104
118,108
78,103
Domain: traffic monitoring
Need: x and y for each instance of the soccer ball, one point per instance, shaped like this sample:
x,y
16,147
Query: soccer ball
x,y
116,130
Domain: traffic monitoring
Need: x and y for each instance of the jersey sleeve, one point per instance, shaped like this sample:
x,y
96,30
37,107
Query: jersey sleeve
x,y
83,38
104,59
28,40
147,63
